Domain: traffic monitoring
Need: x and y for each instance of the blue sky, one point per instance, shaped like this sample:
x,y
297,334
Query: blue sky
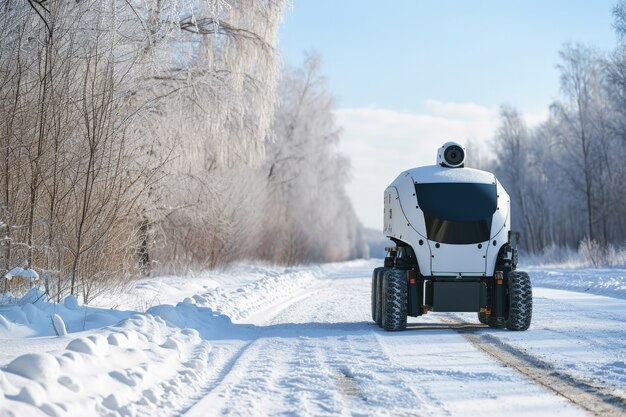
x,y
410,74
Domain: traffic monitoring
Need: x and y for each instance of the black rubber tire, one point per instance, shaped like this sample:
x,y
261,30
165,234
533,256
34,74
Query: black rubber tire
x,y
394,300
483,318
379,296
375,291
520,301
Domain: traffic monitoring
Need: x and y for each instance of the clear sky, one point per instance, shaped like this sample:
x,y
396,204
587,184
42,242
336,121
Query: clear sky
x,y
410,75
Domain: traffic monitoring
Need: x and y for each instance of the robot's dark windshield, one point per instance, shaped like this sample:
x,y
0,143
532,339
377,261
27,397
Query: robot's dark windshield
x,y
457,213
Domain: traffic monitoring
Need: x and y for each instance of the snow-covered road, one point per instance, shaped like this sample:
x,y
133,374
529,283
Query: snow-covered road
x,y
321,355
301,343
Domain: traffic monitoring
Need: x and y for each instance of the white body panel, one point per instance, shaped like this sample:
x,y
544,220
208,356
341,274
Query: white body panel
x,y
404,221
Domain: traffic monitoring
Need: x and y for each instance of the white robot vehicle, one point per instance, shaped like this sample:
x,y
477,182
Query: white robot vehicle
x,y
451,227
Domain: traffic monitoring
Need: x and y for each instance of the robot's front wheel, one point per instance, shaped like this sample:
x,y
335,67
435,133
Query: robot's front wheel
x,y
520,301
394,298
519,308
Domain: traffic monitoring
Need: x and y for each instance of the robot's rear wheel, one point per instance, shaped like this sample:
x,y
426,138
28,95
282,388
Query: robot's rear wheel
x,y
379,296
375,291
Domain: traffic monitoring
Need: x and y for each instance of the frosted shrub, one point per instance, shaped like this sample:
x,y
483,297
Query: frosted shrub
x,y
595,254
616,256
592,252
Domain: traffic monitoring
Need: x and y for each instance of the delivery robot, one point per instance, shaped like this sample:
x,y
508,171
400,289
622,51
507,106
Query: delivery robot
x,y
453,253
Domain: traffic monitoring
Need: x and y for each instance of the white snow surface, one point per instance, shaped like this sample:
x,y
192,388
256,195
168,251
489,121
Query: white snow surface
x,y
610,282
258,340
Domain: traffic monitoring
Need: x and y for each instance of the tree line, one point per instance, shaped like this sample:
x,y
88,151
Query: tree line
x,y
142,136
566,176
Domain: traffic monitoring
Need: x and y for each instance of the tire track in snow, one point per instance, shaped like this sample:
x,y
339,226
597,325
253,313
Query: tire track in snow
x,y
249,368
357,363
597,400
429,402
365,374
223,363
278,375
227,361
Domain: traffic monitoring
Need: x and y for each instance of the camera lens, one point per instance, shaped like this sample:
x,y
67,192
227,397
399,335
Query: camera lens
x,y
454,155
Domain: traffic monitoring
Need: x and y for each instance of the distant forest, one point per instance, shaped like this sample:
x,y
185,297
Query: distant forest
x,y
567,176
141,136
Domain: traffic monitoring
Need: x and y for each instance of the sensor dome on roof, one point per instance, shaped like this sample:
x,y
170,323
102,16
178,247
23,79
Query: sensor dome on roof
x,y
451,155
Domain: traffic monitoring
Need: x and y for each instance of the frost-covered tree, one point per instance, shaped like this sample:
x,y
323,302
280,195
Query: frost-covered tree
x,y
582,127
107,109
220,94
310,217
134,137
566,175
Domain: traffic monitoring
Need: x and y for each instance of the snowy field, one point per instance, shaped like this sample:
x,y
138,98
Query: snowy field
x,y
299,341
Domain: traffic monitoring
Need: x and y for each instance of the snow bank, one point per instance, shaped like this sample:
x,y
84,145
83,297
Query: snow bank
x,y
125,363
38,366
256,295
33,315
146,362
235,292
153,291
